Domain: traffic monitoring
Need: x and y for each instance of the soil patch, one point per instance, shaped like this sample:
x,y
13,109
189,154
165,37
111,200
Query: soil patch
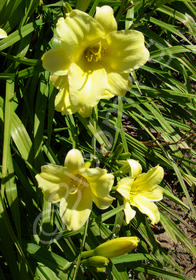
x,y
178,251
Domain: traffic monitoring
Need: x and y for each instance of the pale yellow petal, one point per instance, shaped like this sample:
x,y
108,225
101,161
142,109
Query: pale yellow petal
x,y
129,212
136,168
76,31
85,111
147,181
60,82
155,195
93,174
103,202
56,61
102,186
52,180
78,26
147,207
74,160
107,95
124,187
62,103
3,34
76,208
118,84
86,88
105,16
126,51
56,172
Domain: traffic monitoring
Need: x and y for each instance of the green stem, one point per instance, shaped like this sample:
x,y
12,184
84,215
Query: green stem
x,y
72,130
80,255
114,188
87,254
94,119
118,122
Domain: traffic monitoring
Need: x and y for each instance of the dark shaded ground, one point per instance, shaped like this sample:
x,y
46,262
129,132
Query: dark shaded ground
x,y
178,251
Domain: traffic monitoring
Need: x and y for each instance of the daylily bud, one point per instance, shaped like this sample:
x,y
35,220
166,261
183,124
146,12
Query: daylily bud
x,y
96,261
117,247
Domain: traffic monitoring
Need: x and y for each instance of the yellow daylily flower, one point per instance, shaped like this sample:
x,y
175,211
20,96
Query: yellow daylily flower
x,y
93,61
3,34
141,190
75,187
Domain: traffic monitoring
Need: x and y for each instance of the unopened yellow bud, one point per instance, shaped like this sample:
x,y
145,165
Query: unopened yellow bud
x,y
117,247
96,261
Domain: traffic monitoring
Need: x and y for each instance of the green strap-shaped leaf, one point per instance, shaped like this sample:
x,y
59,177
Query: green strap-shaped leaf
x,y
19,34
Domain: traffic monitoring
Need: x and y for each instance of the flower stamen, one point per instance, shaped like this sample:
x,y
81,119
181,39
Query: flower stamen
x,y
94,53
78,182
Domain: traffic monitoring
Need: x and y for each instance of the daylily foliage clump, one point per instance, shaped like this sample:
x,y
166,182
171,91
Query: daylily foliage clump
x,y
93,60
78,112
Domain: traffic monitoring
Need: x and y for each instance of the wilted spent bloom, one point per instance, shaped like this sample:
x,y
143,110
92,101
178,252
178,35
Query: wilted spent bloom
x,y
3,34
93,60
114,248
75,187
140,190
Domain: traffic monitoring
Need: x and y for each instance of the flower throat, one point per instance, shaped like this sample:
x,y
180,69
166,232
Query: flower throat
x,y
94,53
